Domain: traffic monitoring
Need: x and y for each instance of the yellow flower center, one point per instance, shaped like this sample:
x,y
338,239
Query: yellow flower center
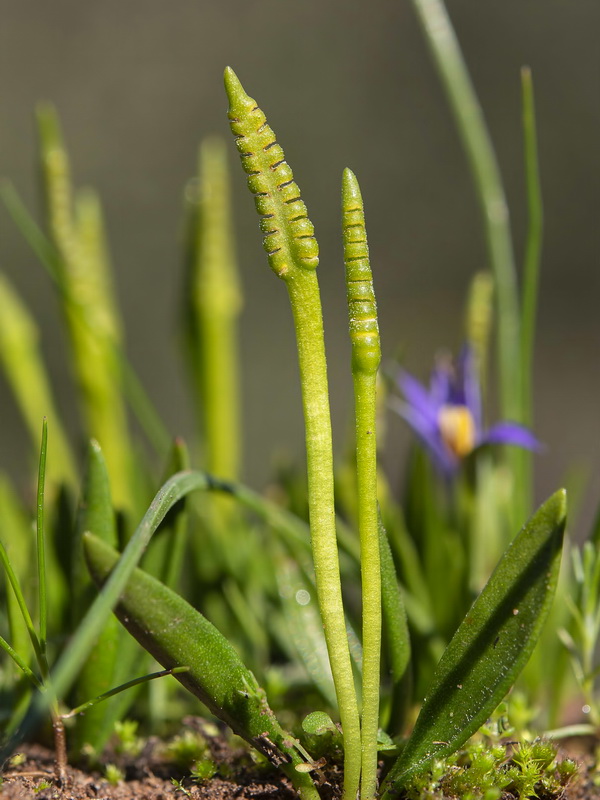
x,y
457,427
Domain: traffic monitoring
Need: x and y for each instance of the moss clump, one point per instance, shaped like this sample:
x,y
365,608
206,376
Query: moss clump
x,y
490,772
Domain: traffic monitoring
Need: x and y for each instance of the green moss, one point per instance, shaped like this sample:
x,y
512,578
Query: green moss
x,y
489,771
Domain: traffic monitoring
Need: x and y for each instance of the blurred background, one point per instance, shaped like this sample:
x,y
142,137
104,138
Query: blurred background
x,y
343,83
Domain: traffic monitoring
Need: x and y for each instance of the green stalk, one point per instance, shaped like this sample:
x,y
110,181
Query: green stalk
x,y
531,266
533,247
479,323
24,368
445,49
216,301
18,592
479,150
81,709
306,310
77,232
41,548
20,663
293,255
366,357
16,530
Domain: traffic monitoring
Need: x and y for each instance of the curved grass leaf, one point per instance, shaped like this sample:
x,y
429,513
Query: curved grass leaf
x,y
177,635
101,667
491,645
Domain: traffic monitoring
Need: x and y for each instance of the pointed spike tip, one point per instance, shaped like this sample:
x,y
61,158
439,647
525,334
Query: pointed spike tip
x,y
235,91
350,189
48,125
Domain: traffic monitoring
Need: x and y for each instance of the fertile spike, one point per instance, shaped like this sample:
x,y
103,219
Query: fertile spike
x,y
362,308
288,234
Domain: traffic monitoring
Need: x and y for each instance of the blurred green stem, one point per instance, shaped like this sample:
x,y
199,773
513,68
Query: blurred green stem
x,y
24,368
216,304
477,143
479,150
41,548
533,247
77,231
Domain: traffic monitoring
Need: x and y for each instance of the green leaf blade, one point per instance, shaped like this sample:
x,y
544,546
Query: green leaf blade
x,y
97,676
492,644
177,635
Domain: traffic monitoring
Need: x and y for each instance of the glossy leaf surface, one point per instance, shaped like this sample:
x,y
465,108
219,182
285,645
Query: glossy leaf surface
x,y
492,644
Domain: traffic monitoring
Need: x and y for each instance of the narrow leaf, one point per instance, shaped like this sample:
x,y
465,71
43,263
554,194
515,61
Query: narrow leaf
x,y
492,644
304,630
98,673
41,544
396,639
177,635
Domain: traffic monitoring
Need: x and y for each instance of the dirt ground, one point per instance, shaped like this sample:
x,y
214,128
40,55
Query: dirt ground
x,y
150,777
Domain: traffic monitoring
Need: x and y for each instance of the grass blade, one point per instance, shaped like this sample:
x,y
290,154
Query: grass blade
x,y
16,587
85,707
533,247
101,667
41,546
20,663
40,244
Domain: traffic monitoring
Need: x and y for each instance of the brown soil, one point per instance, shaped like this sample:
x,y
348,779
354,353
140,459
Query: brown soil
x,y
150,777
145,780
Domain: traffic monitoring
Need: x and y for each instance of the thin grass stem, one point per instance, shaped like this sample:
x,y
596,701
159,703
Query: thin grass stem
x,y
123,687
20,663
16,587
41,547
533,246
451,66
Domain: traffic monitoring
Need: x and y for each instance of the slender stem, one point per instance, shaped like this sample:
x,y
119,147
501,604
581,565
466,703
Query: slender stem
x,y
306,308
533,247
216,302
16,587
364,401
118,689
41,549
60,746
293,255
479,150
366,357
20,663
486,175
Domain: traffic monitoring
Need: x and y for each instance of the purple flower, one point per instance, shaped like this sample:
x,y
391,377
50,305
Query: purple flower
x,y
447,417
